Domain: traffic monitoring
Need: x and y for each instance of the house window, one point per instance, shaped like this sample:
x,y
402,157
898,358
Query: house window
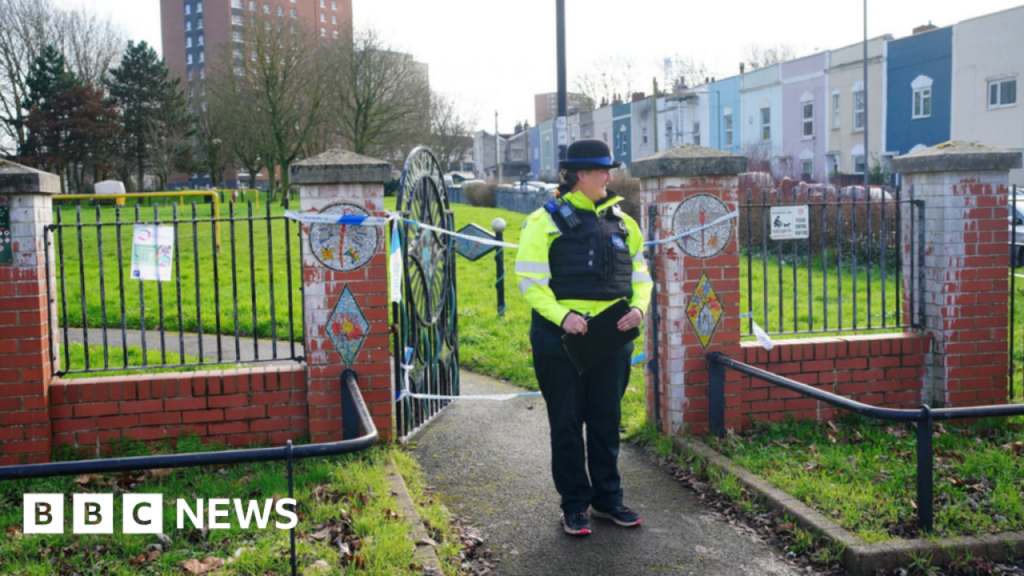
x,y
280,11
266,8
922,102
643,134
236,4
334,20
252,5
323,17
293,14
808,108
323,31
807,167
236,20
835,111
334,34
199,24
859,113
1002,93
728,130
202,56
202,73
668,133
188,59
190,75
696,133
237,53
199,7
188,25
766,123
236,36
334,5
858,164
188,42
323,3
200,40
253,56
188,9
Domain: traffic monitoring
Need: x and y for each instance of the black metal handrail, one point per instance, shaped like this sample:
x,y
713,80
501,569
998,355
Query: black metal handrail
x,y
351,399
924,417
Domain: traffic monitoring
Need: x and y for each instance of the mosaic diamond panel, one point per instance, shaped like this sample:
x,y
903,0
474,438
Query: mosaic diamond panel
x,y
704,310
473,250
347,327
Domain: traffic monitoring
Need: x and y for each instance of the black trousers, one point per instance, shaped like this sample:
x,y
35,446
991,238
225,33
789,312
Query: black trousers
x,y
593,399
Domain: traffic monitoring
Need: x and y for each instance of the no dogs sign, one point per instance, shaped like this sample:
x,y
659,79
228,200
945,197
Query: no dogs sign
x,y
789,222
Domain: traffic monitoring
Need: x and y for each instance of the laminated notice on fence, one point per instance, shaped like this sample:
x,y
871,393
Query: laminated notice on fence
x,y
789,222
152,252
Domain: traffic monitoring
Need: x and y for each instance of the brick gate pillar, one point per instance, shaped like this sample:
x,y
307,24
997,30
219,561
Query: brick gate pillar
x,y
25,367
961,290
697,279
345,288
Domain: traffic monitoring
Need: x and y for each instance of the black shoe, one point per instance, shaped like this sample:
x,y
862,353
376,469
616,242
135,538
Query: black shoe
x,y
576,524
620,515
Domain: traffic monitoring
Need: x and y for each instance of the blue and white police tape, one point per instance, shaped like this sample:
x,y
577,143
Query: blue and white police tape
x,y
762,337
314,218
405,392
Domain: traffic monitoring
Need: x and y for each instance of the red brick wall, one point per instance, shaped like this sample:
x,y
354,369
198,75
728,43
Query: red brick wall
x,y
882,370
262,405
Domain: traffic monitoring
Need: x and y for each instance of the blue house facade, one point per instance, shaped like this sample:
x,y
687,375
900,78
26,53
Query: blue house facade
x,y
724,106
622,133
918,99
535,152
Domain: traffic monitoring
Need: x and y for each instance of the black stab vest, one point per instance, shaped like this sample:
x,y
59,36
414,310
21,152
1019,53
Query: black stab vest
x,y
592,261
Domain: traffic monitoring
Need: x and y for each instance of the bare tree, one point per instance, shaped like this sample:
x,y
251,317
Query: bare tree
x,y
686,71
380,98
451,131
608,81
90,45
759,56
280,77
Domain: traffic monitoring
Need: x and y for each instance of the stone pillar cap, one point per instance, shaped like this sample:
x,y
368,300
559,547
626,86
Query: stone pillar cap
x,y
688,160
957,156
18,179
337,166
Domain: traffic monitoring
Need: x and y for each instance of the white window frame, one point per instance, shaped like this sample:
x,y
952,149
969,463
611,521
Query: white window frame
x,y
266,8
921,94
334,5
807,167
323,3
202,56
766,124
334,20
334,34
199,40
188,25
859,159
999,86
236,36
323,32
861,112
188,59
728,129
202,73
323,17
199,24
280,11
293,14
199,7
188,42
236,20
696,133
252,5
835,110
807,114
188,9
236,4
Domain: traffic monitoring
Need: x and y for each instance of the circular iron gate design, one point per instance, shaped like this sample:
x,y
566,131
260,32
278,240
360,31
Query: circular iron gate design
x,y
427,324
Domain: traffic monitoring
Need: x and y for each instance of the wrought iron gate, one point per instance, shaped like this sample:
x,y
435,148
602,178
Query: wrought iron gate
x,y
427,343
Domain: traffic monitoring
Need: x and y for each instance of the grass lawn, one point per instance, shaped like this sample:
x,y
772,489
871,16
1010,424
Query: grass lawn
x,y
346,518
862,473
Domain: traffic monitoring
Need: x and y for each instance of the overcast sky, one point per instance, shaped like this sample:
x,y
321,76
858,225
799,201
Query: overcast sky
x,y
494,55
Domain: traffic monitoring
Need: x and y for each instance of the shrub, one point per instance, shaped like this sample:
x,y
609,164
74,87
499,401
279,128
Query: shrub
x,y
629,189
481,195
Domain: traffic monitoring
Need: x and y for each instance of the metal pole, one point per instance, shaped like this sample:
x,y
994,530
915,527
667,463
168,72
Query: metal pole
x,y
652,364
497,147
716,396
562,96
498,225
924,470
867,153
655,114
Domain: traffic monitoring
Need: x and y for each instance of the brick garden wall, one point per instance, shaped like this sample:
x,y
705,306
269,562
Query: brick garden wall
x,y
265,405
882,370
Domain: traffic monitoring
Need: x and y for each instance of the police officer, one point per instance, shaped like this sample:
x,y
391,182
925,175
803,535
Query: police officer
x,y
578,255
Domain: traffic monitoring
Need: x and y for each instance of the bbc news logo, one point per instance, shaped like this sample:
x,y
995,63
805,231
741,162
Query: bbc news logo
x,y
144,513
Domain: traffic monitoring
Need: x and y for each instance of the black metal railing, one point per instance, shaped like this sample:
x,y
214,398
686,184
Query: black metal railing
x,y
847,275
924,417
1016,219
221,308
353,405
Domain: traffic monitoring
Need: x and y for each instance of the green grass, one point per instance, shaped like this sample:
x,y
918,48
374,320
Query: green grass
x,y
353,492
862,473
198,292
115,360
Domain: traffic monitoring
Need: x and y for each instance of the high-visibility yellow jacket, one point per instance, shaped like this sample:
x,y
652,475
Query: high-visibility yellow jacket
x,y
534,271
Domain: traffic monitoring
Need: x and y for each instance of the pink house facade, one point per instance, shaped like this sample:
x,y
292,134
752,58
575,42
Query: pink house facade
x,y
804,129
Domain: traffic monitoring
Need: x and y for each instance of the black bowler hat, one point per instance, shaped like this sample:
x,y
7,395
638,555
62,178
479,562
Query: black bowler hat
x,y
591,154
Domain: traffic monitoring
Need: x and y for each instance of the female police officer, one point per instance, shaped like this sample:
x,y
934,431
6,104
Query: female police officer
x,y
577,256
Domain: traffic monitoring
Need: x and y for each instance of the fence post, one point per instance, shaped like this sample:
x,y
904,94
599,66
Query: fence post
x,y
697,286
925,470
344,290
27,360
964,189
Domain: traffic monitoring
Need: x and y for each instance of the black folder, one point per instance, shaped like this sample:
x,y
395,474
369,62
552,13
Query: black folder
x,y
602,340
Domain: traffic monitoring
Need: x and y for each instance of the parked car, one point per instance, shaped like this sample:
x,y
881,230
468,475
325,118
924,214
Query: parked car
x,y
878,193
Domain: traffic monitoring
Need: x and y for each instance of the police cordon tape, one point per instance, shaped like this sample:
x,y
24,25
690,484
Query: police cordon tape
x,y
349,220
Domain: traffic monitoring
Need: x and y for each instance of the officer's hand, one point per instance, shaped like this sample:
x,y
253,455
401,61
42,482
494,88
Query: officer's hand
x,y
631,320
574,324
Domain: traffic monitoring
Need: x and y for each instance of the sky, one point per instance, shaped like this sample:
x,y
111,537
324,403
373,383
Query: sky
x,y
492,56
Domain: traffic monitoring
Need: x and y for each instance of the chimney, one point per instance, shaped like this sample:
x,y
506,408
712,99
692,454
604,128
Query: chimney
x,y
926,28
637,96
741,68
